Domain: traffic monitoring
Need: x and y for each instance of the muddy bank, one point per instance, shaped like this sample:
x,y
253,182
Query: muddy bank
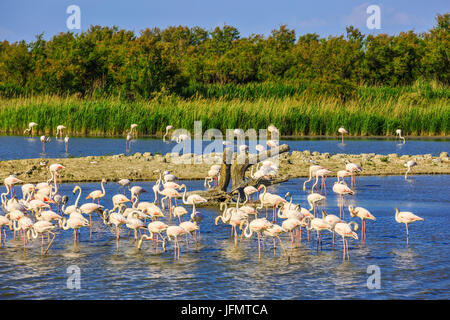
x,y
145,166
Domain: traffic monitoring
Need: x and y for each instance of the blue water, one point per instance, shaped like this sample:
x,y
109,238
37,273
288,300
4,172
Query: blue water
x,y
19,147
217,270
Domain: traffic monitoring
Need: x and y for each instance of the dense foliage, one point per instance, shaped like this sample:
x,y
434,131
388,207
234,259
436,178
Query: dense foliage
x,y
220,63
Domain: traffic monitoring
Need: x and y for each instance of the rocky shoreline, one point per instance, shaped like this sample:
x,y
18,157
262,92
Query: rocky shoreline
x,y
146,166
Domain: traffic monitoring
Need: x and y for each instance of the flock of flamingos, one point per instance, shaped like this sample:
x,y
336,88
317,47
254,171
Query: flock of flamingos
x,y
43,212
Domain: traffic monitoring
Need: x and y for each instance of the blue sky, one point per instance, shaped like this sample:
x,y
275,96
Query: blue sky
x,y
23,19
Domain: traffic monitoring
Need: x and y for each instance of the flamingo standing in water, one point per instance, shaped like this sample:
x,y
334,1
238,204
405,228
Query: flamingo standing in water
x,y
345,231
59,130
314,199
44,140
409,165
41,227
342,131
175,232
398,134
10,181
341,190
29,130
258,226
312,172
332,220
363,214
406,217
154,227
97,194
323,174
352,168
169,127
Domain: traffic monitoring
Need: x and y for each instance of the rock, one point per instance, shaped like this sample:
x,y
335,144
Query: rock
x,y
315,153
393,155
443,155
147,154
297,154
428,156
307,153
326,155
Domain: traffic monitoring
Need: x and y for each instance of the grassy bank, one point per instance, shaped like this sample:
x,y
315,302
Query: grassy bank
x,y
417,110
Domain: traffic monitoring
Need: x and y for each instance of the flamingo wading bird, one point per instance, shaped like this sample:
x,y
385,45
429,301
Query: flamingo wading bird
x,y
409,165
406,217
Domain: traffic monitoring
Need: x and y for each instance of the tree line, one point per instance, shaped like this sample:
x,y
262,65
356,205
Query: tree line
x,y
182,60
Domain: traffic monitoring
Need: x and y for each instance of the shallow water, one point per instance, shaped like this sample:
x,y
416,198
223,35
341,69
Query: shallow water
x,y
19,147
217,270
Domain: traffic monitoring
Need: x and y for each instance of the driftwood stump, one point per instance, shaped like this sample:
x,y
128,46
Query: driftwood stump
x,y
234,167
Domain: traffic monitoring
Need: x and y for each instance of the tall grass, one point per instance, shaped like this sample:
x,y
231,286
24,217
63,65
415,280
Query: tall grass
x,y
416,110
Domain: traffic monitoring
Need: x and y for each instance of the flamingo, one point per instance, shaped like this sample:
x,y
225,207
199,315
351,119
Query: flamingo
x,y
90,208
258,226
136,191
342,131
345,231
318,224
169,127
274,231
4,221
363,214
332,220
272,200
290,225
175,232
248,191
352,168
154,227
323,174
133,222
44,141
24,224
179,212
31,125
41,227
59,130
341,190
341,174
74,222
213,174
97,194
191,228
314,199
54,171
312,172
74,207
119,200
192,199
398,134
409,165
124,183
232,217
10,181
115,218
406,217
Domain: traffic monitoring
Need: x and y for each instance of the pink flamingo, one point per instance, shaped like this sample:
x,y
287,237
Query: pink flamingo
x,y
345,231
406,217
341,190
363,214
